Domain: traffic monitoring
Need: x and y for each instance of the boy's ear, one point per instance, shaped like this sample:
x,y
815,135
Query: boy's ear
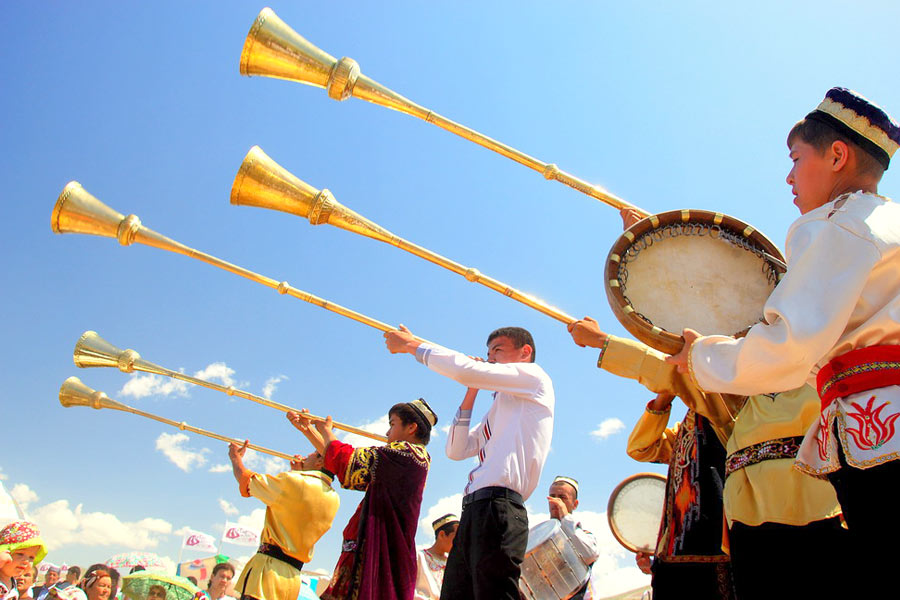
x,y
840,155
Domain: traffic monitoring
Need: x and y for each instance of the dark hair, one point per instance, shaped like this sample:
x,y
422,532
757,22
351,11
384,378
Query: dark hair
x,y
222,566
821,135
447,529
192,579
519,337
157,587
407,414
74,569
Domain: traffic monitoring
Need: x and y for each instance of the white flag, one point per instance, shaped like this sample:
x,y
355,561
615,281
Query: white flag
x,y
235,534
196,540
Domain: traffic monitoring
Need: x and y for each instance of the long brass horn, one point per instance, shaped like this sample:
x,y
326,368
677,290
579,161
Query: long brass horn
x,y
264,183
77,211
91,350
273,49
74,392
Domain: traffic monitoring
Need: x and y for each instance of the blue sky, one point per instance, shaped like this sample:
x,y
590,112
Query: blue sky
x,y
667,105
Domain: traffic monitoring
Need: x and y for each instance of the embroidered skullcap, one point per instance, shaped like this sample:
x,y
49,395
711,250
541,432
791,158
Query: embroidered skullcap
x,y
445,520
569,480
421,407
22,534
864,122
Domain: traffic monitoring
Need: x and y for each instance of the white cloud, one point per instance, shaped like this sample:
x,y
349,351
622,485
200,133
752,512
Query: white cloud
x,y
271,385
147,384
3,476
217,370
254,521
607,428
143,385
614,571
227,507
183,531
448,504
220,468
23,494
172,445
379,426
61,525
445,429
264,463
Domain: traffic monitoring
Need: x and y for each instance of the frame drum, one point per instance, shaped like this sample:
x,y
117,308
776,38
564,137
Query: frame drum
x,y
552,569
690,268
635,511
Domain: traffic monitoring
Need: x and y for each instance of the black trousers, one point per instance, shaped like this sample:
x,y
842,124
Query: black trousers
x,y
869,501
487,553
772,560
694,580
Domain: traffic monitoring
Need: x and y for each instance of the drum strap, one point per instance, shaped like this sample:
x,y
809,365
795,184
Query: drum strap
x,y
859,370
769,450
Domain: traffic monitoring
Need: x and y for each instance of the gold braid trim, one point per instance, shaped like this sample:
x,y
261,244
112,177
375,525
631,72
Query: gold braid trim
x,y
859,124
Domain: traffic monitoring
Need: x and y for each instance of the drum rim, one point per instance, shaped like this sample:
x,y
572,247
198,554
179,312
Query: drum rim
x,y
612,499
638,326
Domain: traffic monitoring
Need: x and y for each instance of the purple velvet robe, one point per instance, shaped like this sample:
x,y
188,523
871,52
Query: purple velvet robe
x,y
378,558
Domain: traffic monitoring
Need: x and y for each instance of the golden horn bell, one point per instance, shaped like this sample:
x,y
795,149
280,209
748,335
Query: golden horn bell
x,y
91,350
273,49
263,183
74,392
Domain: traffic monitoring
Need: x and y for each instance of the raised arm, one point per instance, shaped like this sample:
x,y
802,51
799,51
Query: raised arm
x,y
303,424
461,443
241,474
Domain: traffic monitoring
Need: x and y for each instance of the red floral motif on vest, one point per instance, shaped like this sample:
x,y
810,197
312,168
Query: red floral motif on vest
x,y
873,431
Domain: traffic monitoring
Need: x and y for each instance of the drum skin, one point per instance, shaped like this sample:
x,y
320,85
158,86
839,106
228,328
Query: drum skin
x,y
552,569
635,511
690,268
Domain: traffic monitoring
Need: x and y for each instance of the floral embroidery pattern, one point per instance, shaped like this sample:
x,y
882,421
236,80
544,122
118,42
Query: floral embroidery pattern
x,y
822,436
873,431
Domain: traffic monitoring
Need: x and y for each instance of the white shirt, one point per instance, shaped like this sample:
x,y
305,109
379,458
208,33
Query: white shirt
x,y
841,292
430,575
513,439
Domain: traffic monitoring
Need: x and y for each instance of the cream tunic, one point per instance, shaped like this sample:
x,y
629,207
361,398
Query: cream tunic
x,y
841,292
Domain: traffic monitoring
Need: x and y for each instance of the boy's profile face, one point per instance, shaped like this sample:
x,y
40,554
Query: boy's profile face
x,y
812,176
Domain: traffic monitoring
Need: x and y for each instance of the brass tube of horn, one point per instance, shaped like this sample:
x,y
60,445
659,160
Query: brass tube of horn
x,y
77,211
91,350
273,49
75,393
264,183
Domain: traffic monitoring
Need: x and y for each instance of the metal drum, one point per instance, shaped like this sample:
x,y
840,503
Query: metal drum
x,y
552,569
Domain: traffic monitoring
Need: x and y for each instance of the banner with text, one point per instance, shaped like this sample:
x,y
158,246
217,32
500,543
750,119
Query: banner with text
x,y
235,534
197,540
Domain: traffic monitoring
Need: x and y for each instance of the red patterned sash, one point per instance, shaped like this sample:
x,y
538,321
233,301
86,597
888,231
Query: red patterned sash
x,y
859,370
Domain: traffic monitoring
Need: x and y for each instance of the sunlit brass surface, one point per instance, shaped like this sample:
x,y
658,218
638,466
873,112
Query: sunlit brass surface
x,y
273,49
91,350
75,393
77,211
264,183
